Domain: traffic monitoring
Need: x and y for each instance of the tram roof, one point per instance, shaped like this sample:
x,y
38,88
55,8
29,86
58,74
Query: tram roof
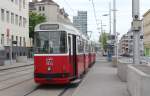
x,y
62,27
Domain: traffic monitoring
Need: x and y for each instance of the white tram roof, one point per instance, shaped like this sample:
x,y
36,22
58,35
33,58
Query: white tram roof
x,y
61,27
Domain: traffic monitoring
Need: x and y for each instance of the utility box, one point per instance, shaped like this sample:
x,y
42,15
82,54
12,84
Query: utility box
x,y
136,25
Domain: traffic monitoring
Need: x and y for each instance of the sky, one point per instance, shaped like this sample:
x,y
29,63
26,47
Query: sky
x,y
124,13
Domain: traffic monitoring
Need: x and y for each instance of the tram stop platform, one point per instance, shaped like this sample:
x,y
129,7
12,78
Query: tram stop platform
x,y
102,80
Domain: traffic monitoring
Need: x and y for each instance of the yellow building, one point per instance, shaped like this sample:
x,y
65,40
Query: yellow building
x,y
146,28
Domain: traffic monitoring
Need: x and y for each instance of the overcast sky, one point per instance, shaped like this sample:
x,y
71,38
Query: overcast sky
x,y
124,13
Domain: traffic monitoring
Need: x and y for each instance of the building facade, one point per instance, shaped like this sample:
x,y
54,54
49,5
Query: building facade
x,y
146,28
50,10
123,45
14,27
80,21
126,44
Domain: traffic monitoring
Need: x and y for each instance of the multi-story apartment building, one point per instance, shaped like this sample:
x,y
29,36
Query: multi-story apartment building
x,y
80,21
50,10
146,28
126,44
14,27
123,45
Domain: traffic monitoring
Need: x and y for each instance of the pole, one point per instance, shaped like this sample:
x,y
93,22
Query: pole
x,y
114,26
109,18
11,45
102,34
136,33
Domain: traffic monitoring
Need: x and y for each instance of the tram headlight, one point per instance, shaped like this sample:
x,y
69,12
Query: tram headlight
x,y
49,68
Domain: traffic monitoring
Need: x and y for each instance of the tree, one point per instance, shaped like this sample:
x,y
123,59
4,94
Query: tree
x,y
103,40
34,19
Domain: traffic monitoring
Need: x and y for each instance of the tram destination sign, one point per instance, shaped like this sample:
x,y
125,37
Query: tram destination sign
x,y
49,27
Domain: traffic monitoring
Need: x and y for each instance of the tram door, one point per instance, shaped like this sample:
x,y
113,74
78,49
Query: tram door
x,y
72,53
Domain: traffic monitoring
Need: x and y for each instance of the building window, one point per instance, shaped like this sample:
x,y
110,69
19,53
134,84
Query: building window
x,y
12,0
40,8
16,19
12,18
2,39
2,14
20,4
24,1
7,16
24,22
20,21
20,41
43,8
12,38
24,42
17,40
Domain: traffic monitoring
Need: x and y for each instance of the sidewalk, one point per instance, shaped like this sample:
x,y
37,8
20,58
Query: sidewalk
x,y
101,81
15,64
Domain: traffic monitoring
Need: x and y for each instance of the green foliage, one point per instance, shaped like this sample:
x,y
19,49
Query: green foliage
x,y
103,40
34,19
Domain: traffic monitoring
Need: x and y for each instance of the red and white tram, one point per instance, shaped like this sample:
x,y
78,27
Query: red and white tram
x,y
62,53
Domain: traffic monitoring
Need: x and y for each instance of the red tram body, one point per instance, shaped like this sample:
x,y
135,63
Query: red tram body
x,y
62,54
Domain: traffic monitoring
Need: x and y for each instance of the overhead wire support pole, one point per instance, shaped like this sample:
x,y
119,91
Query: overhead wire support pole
x,y
109,18
136,28
102,34
114,27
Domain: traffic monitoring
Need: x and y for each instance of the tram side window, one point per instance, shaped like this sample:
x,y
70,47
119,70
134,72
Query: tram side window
x,y
80,46
63,43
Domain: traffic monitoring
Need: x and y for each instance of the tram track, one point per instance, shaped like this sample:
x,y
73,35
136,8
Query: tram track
x,y
58,90
1,89
10,68
63,92
12,77
15,71
28,93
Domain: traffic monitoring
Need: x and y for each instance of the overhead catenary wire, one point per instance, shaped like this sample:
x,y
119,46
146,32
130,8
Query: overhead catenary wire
x,y
94,11
95,17
71,9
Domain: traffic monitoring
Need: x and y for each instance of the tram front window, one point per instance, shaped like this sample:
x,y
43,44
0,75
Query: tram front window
x,y
51,42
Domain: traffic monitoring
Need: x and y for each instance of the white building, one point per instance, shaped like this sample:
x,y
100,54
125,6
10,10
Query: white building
x,y
14,26
80,21
50,10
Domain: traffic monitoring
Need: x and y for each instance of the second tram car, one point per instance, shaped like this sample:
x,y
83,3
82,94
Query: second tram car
x,y
62,53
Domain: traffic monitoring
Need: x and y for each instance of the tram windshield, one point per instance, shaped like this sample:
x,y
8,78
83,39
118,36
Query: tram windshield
x,y
51,42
